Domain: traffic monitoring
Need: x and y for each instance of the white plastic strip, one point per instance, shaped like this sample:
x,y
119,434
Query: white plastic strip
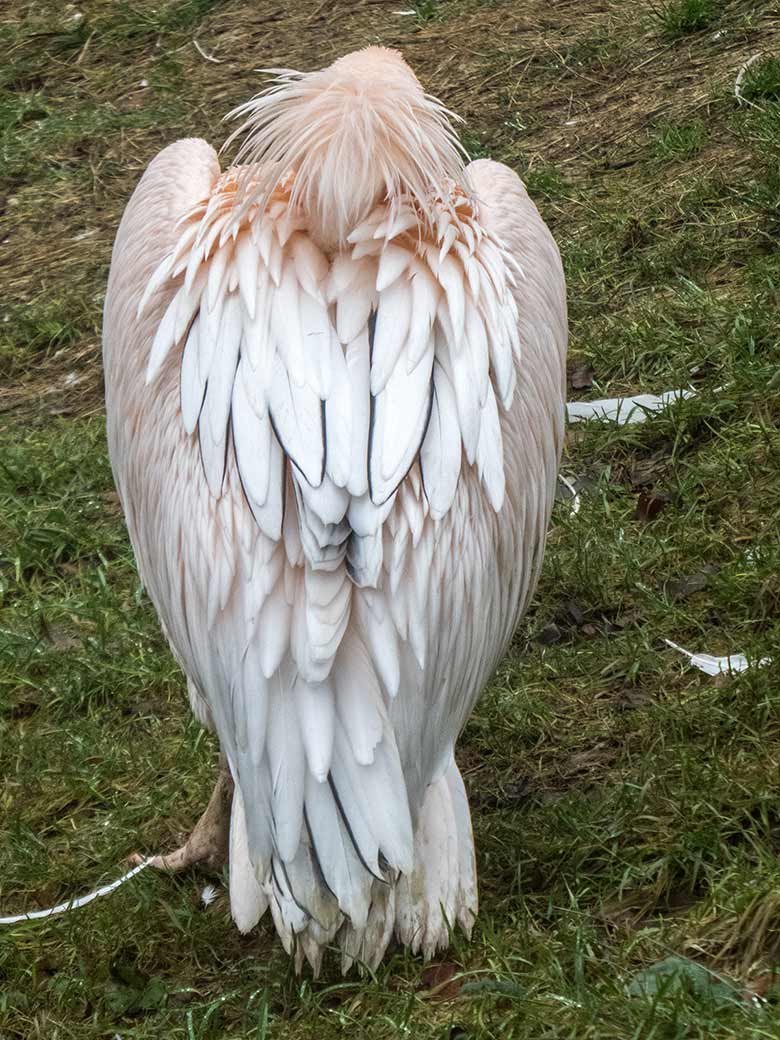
x,y
74,904
624,410
573,497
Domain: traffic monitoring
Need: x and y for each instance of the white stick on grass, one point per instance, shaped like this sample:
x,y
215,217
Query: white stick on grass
x,y
208,57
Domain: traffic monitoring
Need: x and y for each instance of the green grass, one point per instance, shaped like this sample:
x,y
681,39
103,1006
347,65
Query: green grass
x,y
626,807
762,80
682,17
425,10
680,142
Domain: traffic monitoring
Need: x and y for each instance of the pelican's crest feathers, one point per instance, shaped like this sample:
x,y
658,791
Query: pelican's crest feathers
x,y
356,133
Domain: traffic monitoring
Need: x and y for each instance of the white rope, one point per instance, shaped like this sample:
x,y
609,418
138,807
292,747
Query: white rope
x,y
74,904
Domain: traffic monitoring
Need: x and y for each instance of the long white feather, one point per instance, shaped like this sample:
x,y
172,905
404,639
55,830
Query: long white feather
x,y
316,718
192,384
440,457
287,763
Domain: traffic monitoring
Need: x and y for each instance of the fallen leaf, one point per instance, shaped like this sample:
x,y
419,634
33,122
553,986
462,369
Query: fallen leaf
x,y
58,636
112,502
645,472
681,588
439,982
498,987
765,986
22,709
516,793
632,697
548,634
573,611
650,504
581,377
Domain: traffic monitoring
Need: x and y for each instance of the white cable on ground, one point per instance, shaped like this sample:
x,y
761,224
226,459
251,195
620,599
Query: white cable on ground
x,y
73,904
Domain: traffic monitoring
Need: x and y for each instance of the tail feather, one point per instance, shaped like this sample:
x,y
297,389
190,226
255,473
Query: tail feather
x,y
325,894
366,946
442,887
467,901
248,901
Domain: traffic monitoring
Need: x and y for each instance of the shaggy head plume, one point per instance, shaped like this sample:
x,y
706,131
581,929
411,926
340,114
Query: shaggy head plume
x,y
353,135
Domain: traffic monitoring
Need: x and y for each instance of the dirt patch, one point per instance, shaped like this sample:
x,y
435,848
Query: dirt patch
x,y
97,96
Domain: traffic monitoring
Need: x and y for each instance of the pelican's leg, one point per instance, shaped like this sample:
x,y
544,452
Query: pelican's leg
x,y
208,842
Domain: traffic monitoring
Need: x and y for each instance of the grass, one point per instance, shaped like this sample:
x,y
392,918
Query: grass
x,y
762,80
425,10
625,806
680,142
682,17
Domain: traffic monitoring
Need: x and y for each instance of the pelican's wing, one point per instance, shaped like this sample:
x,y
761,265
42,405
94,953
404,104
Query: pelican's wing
x,y
456,580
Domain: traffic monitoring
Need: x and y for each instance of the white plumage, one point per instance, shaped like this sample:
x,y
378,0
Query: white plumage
x,y
337,472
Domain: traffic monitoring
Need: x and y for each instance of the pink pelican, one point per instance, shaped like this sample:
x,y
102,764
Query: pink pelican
x,y
335,396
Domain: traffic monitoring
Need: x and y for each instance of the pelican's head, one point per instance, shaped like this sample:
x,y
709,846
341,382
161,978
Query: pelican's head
x,y
357,133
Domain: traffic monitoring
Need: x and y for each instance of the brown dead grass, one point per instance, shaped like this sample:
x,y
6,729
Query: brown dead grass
x,y
541,83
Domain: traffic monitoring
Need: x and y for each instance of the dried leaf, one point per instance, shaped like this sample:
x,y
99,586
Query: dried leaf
x,y
573,612
58,636
581,377
632,697
650,504
646,472
548,634
498,987
681,588
439,982
764,986
22,709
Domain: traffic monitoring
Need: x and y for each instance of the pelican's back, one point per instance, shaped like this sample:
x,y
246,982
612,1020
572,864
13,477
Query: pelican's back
x,y
335,400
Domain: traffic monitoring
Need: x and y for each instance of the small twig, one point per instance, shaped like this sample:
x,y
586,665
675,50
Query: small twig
x,y
85,48
741,75
208,57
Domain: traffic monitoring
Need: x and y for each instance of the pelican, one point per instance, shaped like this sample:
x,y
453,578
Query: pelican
x,y
335,404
